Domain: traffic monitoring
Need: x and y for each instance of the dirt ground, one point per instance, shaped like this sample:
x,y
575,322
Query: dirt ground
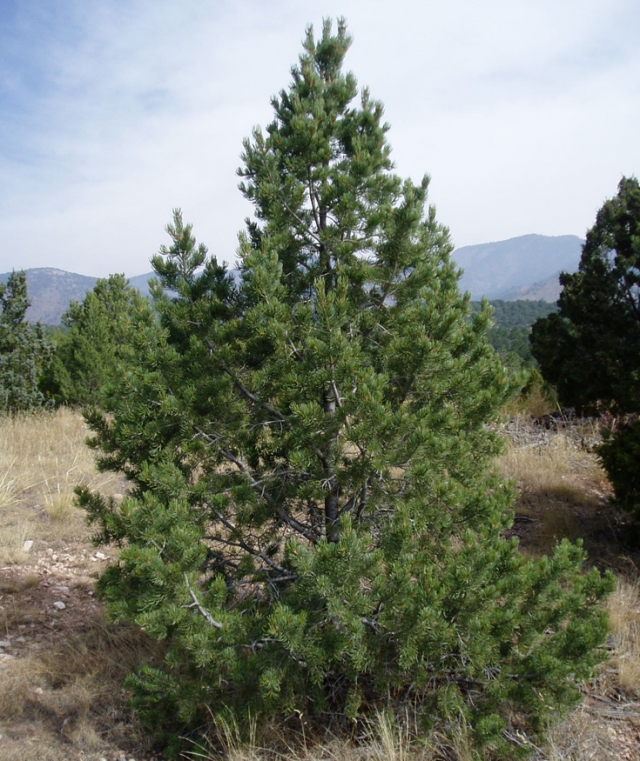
x,y
61,663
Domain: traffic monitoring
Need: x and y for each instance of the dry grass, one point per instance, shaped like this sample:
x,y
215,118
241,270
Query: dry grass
x,y
535,401
624,616
72,687
42,459
561,485
61,671
381,740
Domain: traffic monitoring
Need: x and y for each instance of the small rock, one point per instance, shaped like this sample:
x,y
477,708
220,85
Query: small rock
x,y
21,639
59,605
4,643
49,551
27,545
61,590
101,556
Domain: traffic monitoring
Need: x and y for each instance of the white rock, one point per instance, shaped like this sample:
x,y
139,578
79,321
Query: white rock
x,y
27,545
59,605
101,556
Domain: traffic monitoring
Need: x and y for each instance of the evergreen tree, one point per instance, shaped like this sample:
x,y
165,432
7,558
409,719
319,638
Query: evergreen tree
x,y
97,340
314,523
590,349
24,351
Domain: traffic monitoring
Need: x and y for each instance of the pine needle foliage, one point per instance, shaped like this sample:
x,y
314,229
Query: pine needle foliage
x,y
25,353
314,524
96,341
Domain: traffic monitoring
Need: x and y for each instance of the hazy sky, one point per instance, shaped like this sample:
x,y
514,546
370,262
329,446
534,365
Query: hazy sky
x,y
526,114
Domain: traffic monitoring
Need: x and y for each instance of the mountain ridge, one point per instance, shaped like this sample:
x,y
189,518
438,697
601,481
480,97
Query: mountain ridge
x,y
495,269
521,268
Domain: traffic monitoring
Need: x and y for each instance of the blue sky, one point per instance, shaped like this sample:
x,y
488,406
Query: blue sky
x,y
526,114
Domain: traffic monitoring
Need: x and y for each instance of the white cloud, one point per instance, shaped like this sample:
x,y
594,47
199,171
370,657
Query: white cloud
x,y
111,114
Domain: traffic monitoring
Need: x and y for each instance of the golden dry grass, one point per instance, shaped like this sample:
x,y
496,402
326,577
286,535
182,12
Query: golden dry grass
x,y
70,689
624,616
535,401
561,485
381,740
61,674
43,457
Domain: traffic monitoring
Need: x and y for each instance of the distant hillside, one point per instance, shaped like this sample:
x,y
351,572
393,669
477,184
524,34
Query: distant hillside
x,y
517,314
51,291
545,290
524,268
509,335
519,268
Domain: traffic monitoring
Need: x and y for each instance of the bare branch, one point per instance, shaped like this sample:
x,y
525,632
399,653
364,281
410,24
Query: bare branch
x,y
196,604
296,353
243,545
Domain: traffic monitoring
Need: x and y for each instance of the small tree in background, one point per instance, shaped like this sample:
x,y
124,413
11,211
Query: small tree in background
x,y
24,351
590,349
97,340
314,524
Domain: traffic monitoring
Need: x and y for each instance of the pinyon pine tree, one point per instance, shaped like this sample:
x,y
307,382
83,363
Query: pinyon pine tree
x,y
314,525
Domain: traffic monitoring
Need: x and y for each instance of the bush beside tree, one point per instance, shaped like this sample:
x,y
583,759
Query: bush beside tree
x,y
314,525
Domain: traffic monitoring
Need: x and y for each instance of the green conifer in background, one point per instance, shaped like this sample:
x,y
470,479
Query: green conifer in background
x,y
314,526
590,350
97,339
24,351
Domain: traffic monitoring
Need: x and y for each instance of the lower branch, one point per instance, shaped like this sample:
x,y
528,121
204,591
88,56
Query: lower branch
x,y
196,604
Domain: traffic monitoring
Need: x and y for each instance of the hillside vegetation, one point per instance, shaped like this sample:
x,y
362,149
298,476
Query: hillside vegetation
x,y
510,333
